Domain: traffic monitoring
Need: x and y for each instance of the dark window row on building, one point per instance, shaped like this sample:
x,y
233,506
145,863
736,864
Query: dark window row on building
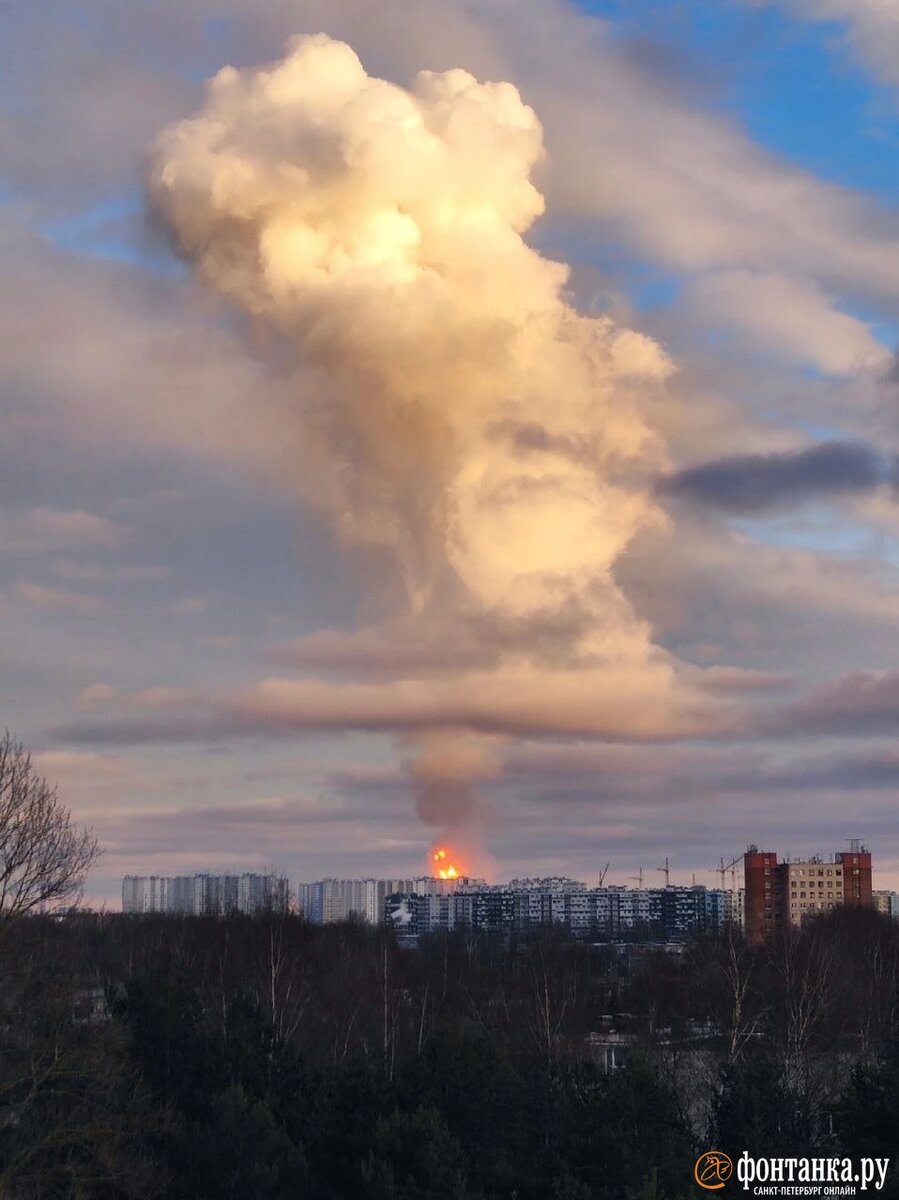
x,y
670,914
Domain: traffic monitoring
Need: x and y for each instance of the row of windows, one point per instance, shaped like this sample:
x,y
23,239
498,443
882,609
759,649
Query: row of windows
x,y
817,871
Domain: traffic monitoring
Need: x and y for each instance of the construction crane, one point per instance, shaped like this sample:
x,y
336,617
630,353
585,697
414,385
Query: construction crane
x,y
638,879
665,871
602,874
731,866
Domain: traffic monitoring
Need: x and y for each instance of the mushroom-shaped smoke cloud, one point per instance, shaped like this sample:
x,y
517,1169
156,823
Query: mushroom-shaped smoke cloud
x,y
467,416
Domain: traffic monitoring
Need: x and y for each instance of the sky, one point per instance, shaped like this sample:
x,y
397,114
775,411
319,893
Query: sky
x,y
464,421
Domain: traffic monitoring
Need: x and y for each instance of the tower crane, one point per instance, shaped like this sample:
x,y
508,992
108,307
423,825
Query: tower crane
x,y
731,866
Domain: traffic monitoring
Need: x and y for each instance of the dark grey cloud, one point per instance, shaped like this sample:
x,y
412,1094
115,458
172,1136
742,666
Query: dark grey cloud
x,y
749,483
864,703
616,778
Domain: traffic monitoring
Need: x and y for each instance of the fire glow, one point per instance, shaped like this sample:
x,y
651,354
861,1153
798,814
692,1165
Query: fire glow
x,y
443,866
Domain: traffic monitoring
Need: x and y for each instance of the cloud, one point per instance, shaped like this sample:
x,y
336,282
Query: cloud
x,y
871,29
609,702
192,606
397,648
788,316
458,638
77,767
49,529
103,695
891,375
55,600
85,106
745,680
94,785
714,595
67,568
684,186
221,641
758,483
139,363
619,775
863,703
96,695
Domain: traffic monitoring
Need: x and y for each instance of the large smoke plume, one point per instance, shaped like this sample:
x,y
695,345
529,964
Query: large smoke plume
x,y
465,415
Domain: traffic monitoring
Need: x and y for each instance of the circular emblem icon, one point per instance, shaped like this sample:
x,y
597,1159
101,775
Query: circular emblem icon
x,y
712,1170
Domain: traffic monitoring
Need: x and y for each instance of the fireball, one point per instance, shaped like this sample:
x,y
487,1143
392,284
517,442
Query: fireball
x,y
443,866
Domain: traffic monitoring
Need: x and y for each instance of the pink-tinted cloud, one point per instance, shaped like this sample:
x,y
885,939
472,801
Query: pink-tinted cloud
x,y
45,599
67,568
48,529
608,703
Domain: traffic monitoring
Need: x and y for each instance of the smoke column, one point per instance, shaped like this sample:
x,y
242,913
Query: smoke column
x,y
466,416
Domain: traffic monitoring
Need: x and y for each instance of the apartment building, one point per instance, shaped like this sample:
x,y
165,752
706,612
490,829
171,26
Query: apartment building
x,y
782,895
203,894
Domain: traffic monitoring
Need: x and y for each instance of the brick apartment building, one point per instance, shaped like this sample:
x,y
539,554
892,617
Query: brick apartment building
x,y
782,895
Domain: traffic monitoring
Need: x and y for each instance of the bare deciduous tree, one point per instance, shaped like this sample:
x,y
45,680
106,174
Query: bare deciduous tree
x,y
744,1020
44,855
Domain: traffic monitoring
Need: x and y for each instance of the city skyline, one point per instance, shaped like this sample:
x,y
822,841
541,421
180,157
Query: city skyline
x,y
726,876
730,876
501,465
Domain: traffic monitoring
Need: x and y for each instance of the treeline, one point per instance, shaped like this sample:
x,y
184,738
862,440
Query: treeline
x,y
205,1059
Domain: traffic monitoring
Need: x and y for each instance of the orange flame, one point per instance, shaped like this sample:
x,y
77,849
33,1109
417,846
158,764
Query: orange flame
x,y
443,866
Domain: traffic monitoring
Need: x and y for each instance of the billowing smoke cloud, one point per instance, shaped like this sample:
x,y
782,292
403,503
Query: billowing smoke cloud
x,y
466,417
443,774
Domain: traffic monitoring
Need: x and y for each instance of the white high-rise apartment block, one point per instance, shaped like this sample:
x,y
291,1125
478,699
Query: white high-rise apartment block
x,y
196,895
880,901
145,893
330,900
733,907
255,892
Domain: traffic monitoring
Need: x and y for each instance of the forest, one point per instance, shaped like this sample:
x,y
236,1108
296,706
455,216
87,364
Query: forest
x,y
198,1058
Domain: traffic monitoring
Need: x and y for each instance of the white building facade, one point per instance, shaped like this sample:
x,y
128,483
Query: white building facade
x,y
329,900
202,894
